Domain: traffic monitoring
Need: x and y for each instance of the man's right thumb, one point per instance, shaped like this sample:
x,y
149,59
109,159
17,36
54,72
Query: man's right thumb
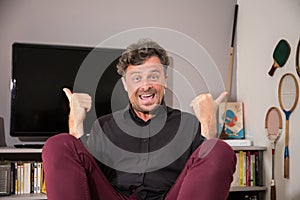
x,y
68,93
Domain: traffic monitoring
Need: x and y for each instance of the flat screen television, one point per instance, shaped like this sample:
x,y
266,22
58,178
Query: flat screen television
x,y
39,106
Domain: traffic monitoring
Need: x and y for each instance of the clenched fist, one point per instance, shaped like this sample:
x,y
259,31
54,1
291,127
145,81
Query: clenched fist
x,y
80,103
205,109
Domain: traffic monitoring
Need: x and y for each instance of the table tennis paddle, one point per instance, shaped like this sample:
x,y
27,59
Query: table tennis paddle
x,y
297,58
280,55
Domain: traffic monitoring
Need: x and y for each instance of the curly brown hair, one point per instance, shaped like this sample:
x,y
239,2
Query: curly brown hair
x,y
138,53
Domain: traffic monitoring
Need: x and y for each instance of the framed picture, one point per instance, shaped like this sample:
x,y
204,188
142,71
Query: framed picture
x,y
233,119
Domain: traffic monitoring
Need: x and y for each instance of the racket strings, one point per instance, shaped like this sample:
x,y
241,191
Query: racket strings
x,y
273,125
273,131
288,93
288,101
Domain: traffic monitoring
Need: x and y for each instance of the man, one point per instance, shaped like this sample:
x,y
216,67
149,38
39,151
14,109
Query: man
x,y
146,151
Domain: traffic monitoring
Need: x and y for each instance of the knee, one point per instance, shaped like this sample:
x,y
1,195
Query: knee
x,y
219,153
215,146
57,141
56,146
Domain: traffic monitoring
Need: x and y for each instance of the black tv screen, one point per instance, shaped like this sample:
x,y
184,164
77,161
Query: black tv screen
x,y
39,106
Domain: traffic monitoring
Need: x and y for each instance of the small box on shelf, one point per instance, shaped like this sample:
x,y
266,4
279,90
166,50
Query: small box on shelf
x,y
239,142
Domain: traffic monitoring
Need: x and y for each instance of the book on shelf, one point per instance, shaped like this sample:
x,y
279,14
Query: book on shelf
x,y
236,180
39,177
248,169
26,177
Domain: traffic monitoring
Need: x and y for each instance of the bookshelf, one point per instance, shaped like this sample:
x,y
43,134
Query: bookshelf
x,y
236,193
21,154
246,191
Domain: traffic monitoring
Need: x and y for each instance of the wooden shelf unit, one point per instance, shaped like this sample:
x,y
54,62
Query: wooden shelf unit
x,y
21,154
245,192
15,154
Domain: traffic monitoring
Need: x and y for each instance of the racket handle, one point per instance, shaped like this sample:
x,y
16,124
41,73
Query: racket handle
x,y
272,70
286,162
286,167
273,192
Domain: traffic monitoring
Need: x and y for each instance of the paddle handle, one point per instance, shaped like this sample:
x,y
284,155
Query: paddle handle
x,y
273,68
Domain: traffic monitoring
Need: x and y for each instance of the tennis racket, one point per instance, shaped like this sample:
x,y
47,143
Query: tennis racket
x,y
223,134
288,94
273,127
281,54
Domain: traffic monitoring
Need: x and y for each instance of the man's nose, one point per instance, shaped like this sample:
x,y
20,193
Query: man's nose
x,y
146,85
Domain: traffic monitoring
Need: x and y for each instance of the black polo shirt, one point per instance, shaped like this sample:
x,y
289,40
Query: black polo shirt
x,y
140,157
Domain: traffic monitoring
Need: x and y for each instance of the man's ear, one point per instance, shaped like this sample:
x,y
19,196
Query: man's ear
x,y
166,77
124,83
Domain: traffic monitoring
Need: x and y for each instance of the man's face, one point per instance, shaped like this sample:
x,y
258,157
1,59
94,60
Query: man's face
x,y
145,84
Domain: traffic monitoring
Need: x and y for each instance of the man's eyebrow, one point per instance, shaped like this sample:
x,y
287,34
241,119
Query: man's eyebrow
x,y
134,72
139,72
154,70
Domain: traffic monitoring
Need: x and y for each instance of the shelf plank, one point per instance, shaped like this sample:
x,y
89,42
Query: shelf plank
x,y
249,148
19,150
250,188
25,196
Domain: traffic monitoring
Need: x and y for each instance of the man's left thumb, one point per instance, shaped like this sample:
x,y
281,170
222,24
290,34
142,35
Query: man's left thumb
x,y
221,97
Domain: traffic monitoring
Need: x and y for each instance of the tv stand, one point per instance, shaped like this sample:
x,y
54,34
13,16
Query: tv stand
x,y
30,146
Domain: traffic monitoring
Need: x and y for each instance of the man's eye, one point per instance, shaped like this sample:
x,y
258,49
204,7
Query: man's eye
x,y
154,77
136,79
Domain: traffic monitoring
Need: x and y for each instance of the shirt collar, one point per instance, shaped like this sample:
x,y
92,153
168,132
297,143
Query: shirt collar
x,y
129,111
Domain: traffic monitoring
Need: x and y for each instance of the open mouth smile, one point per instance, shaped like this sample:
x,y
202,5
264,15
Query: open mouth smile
x,y
146,96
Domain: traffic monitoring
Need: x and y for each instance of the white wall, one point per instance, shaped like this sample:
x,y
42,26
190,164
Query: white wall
x,y
88,23
261,25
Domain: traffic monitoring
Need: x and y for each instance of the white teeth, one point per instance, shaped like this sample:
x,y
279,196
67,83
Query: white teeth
x,y
144,96
147,95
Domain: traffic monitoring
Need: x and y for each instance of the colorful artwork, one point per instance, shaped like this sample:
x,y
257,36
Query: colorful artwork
x,y
233,118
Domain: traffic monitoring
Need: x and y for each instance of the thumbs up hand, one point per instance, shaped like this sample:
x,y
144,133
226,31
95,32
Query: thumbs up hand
x,y
205,109
80,103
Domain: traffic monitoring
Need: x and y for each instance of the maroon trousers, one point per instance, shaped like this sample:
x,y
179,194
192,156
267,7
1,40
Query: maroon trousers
x,y
72,173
